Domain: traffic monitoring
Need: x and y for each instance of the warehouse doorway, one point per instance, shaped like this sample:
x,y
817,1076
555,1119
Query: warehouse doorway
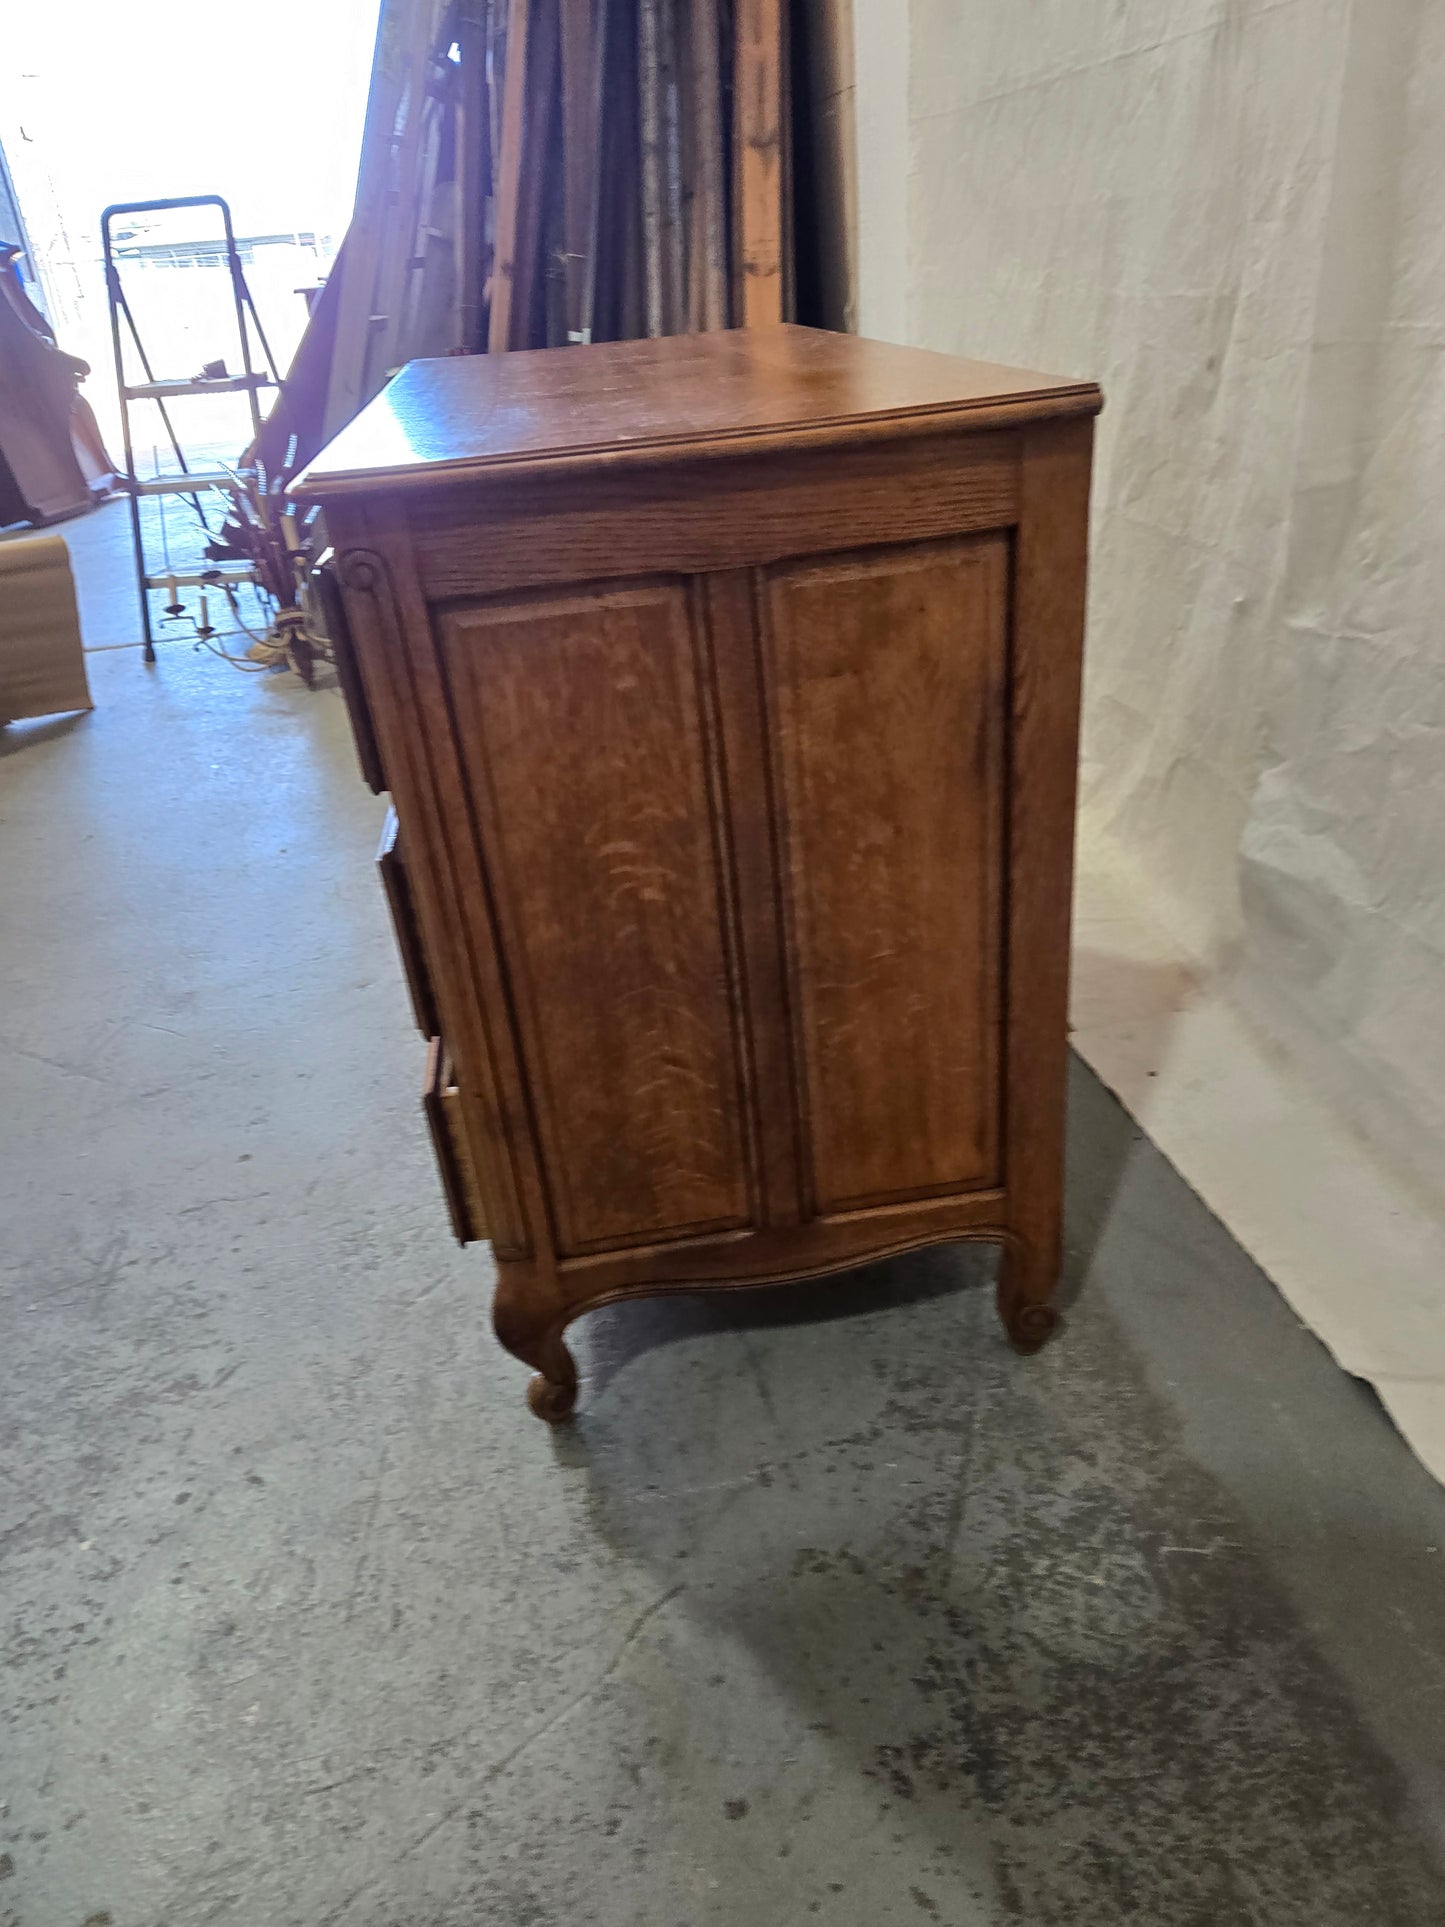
x,y
102,103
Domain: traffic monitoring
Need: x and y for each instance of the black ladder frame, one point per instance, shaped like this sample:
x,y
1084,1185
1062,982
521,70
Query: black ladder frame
x,y
187,482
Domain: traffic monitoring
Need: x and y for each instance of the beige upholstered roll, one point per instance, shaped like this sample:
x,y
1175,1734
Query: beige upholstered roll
x,y
42,668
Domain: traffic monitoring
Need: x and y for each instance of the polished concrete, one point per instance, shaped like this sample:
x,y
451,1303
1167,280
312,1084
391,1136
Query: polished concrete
x,y
828,1607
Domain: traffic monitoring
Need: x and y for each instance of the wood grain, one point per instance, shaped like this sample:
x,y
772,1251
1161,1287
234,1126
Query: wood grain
x,y
581,57
474,175
886,677
735,772
652,131
688,398
715,516
1048,637
381,607
708,264
760,67
586,749
356,267
541,115
730,616
442,1106
777,1256
509,178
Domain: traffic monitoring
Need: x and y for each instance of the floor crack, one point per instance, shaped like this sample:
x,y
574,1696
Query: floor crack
x,y
499,1766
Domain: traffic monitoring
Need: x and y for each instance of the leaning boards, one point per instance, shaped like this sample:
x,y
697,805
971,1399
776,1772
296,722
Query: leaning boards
x,y
538,173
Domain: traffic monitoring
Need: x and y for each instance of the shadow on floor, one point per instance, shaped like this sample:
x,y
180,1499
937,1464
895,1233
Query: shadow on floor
x,y
1059,1649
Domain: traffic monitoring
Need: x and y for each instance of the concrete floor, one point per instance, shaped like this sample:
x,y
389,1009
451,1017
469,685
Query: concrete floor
x,y
829,1607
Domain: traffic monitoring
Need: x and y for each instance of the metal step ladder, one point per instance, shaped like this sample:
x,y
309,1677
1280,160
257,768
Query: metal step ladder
x,y
188,482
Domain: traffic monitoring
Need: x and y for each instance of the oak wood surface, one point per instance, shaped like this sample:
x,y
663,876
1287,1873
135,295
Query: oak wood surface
x,y
736,804
1051,553
731,616
700,517
380,594
890,798
782,1254
586,749
688,396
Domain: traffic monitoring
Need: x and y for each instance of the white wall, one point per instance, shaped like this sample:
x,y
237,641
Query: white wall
x,y
1230,212
880,109
1343,855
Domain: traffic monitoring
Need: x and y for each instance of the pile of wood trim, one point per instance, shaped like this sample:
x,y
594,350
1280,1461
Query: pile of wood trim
x,y
545,173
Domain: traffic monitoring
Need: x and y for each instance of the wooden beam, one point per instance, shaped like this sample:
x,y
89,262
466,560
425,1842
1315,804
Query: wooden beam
x,y
579,148
673,218
396,24
509,177
541,109
707,273
474,173
407,202
759,110
652,123
603,63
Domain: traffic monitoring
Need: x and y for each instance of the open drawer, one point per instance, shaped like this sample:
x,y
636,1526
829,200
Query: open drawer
x,y
442,1102
397,884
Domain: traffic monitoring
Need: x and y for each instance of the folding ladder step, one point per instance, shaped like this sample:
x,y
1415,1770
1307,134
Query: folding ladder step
x,y
211,578
187,484
201,385
212,379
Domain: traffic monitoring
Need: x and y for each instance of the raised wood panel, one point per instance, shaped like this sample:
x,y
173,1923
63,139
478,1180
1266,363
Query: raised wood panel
x,y
589,751
711,515
887,676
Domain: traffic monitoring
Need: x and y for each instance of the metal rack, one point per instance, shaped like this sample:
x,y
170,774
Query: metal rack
x,y
187,482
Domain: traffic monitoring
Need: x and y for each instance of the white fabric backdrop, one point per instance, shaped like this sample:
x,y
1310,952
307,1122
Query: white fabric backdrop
x,y
1232,213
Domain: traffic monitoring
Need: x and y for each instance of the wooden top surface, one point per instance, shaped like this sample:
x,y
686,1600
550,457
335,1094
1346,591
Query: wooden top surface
x,y
637,402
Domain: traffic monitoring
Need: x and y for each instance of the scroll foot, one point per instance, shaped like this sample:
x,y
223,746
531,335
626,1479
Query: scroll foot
x,y
1025,1283
551,1399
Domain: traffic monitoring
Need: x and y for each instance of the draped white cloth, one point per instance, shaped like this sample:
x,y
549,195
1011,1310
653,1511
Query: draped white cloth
x,y
1232,213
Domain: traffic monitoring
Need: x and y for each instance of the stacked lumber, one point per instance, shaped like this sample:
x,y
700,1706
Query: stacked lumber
x,y
545,174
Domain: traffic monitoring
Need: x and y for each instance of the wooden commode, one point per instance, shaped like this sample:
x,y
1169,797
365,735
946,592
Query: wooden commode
x,y
726,689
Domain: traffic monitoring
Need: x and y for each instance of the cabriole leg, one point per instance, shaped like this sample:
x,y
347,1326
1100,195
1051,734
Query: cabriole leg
x,y
533,1333
1027,1275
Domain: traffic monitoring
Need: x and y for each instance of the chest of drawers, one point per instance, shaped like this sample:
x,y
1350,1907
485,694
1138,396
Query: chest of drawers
x,y
726,689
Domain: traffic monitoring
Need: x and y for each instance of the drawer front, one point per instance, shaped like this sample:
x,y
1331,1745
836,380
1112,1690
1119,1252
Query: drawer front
x,y
348,674
886,680
391,862
441,1101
